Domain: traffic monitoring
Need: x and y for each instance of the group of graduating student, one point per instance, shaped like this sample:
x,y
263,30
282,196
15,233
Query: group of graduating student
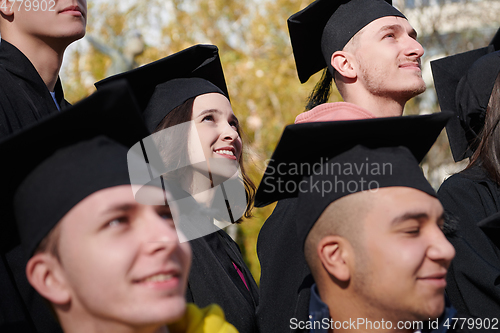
x,y
112,209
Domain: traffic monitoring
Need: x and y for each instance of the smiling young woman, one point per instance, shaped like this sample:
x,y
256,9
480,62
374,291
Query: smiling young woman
x,y
218,274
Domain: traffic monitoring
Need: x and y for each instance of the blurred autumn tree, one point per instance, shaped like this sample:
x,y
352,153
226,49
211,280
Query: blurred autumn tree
x,y
258,63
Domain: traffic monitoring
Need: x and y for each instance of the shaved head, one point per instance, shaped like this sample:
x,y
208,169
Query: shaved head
x,y
342,217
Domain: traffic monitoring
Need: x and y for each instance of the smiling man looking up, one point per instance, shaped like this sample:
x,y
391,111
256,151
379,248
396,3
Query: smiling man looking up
x,y
366,46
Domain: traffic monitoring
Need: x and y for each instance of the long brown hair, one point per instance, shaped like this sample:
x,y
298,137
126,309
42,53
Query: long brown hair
x,y
182,114
487,154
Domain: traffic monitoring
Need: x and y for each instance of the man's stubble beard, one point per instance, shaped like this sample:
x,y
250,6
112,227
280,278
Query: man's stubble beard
x,y
374,82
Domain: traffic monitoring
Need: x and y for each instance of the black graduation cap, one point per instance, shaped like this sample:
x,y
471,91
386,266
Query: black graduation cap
x,y
345,157
463,85
54,164
491,227
326,26
295,157
162,85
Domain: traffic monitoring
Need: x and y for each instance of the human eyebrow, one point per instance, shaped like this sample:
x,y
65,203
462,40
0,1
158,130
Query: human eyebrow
x,y
120,208
391,27
209,111
409,216
162,208
398,28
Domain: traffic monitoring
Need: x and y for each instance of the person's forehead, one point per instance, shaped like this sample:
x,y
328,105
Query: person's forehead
x,y
102,202
397,200
211,101
382,23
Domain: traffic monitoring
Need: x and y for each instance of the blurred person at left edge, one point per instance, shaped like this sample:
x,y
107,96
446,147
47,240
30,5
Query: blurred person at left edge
x,y
34,36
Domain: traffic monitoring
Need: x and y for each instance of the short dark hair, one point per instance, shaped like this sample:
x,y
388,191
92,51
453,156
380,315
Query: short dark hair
x,y
50,243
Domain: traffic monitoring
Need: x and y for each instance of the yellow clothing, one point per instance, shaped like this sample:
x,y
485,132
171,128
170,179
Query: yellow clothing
x,y
210,319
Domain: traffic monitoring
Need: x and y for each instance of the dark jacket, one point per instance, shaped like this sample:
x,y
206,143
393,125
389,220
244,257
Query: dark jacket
x,y
474,275
24,100
449,321
214,279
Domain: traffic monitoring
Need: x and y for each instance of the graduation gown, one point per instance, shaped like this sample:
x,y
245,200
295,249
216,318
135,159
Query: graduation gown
x,y
285,280
213,279
474,275
24,100
24,97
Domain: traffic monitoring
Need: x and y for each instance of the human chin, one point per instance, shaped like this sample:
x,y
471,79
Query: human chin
x,y
429,300
407,92
162,312
414,82
223,169
431,307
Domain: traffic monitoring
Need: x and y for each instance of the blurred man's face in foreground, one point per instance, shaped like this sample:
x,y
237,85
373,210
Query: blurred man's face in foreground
x,y
120,262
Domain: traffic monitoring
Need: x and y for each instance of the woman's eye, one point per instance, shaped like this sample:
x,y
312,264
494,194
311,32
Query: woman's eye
x,y
208,118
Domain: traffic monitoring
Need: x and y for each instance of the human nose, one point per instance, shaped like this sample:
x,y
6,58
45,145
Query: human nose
x,y
229,133
414,48
440,248
159,233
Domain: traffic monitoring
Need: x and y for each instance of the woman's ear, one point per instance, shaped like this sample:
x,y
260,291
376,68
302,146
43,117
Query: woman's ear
x,y
344,64
45,274
333,252
7,7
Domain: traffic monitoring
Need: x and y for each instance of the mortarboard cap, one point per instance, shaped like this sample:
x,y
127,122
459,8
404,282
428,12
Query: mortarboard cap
x,y
463,85
56,163
326,26
161,86
295,157
345,157
356,170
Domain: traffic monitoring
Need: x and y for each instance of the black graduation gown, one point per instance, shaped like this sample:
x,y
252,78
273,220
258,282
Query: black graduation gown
x,y
24,100
474,275
213,279
24,97
285,280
